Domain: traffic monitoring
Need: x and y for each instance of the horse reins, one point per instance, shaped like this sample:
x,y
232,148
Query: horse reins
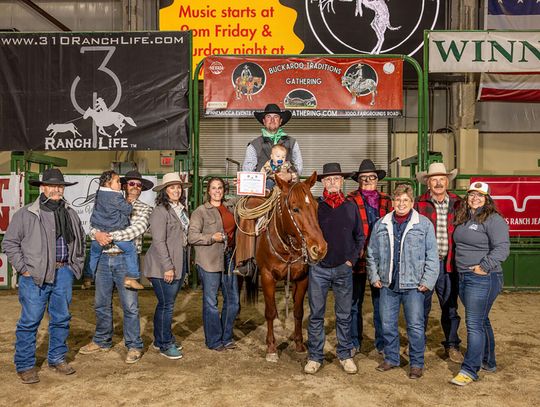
x,y
303,255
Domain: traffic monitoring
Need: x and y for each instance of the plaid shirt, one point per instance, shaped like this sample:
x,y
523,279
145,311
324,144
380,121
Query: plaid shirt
x,y
425,206
441,230
62,250
140,220
385,206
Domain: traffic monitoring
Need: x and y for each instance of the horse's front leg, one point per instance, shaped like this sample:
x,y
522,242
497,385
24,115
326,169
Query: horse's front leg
x,y
270,313
102,131
300,288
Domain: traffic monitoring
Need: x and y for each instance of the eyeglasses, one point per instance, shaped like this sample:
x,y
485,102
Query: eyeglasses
x,y
367,177
335,179
476,195
135,184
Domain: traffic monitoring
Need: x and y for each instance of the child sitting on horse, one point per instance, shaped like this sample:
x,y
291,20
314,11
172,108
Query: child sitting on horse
x,y
112,212
278,164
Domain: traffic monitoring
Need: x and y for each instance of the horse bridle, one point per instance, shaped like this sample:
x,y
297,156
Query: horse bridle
x,y
303,250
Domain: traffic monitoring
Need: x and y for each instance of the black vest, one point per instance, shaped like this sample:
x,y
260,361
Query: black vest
x,y
263,147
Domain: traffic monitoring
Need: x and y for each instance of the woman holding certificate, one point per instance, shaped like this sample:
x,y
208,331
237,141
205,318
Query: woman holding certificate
x,y
211,232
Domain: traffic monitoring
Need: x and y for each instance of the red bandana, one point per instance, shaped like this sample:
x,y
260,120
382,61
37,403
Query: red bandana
x,y
335,199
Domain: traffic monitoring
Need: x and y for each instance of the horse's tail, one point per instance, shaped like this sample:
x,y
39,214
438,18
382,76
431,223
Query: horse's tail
x,y
251,295
393,28
130,121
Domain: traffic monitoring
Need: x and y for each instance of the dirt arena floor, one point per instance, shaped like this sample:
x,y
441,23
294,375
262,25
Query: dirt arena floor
x,y
242,377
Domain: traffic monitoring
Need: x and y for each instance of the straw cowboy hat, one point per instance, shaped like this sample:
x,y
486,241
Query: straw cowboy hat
x,y
136,175
171,178
330,169
274,109
435,169
51,176
365,167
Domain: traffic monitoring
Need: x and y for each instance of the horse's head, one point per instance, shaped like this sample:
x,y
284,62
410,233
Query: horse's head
x,y
50,127
88,113
299,216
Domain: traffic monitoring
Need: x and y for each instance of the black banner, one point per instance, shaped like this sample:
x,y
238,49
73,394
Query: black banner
x,y
95,91
367,26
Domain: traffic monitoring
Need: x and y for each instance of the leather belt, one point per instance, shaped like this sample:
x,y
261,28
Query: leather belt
x,y
60,264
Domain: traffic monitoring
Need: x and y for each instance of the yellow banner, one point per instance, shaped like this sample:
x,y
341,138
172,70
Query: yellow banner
x,y
226,27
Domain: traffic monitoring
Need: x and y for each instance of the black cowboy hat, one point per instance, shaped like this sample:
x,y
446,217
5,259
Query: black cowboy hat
x,y
365,167
330,169
51,176
134,174
272,108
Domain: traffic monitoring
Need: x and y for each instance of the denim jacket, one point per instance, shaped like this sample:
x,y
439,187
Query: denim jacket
x,y
419,262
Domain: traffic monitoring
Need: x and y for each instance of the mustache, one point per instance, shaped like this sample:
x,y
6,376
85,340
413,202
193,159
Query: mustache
x,y
49,198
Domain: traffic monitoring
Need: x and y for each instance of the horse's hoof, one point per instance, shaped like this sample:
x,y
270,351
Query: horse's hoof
x,y
301,348
272,357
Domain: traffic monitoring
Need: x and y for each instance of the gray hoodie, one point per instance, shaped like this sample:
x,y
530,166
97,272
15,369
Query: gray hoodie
x,y
486,244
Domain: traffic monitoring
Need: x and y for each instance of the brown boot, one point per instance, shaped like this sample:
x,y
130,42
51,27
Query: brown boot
x,y
86,284
133,284
29,376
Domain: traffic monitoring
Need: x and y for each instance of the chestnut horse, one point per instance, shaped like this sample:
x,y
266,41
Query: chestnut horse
x,y
292,238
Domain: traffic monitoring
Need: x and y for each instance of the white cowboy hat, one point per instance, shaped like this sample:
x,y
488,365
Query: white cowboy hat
x,y
171,178
435,169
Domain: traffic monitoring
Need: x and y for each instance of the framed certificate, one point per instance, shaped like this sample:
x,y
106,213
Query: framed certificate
x,y
251,183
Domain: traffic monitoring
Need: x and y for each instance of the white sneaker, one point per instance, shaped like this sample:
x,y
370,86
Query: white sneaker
x,y
349,366
312,367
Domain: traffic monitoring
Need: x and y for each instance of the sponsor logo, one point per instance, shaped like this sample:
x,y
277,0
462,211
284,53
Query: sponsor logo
x,y
300,99
248,79
107,124
364,26
216,67
360,80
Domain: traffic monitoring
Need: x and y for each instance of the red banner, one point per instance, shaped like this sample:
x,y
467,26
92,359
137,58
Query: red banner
x,y
309,87
518,199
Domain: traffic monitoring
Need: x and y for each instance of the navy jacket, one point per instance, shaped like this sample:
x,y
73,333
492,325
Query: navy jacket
x,y
111,211
342,229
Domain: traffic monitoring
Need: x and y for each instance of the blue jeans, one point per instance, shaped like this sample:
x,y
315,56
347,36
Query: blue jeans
x,y
413,307
321,279
357,322
478,293
447,289
111,271
56,297
218,330
130,255
166,295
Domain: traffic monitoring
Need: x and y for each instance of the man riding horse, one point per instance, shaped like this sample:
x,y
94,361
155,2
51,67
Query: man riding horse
x,y
257,153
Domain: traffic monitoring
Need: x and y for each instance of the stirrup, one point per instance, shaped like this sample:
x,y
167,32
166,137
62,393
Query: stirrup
x,y
246,269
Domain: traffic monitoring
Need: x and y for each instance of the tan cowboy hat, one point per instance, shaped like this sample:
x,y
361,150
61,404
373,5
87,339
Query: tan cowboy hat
x,y
171,178
435,169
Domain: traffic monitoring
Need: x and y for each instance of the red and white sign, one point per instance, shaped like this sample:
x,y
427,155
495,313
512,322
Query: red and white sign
x,y
518,200
309,87
11,198
3,270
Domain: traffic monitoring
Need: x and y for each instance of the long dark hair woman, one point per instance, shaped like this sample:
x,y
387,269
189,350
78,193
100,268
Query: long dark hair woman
x,y
211,232
164,261
482,244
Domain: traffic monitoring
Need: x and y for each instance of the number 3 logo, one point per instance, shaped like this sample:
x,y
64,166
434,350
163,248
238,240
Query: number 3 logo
x,y
102,68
